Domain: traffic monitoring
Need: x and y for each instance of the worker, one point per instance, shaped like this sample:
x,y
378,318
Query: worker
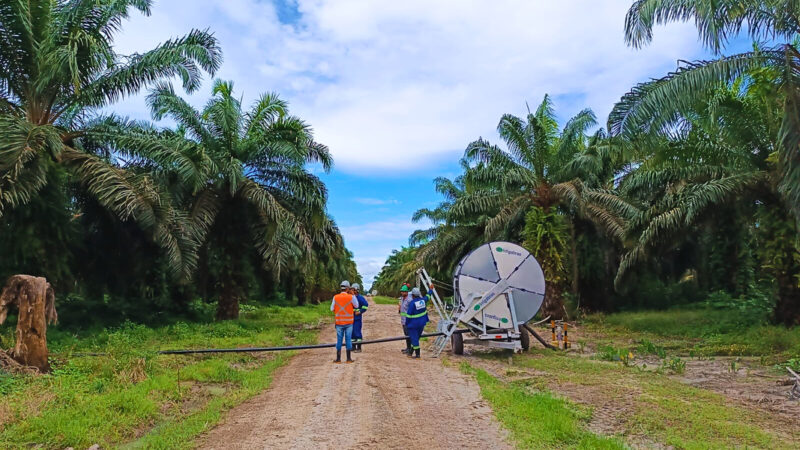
x,y
344,306
363,305
416,318
402,306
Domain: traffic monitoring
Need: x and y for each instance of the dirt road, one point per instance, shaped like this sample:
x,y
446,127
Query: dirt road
x,y
383,400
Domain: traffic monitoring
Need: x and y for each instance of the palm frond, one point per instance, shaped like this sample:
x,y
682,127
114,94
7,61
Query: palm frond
x,y
717,21
183,58
652,107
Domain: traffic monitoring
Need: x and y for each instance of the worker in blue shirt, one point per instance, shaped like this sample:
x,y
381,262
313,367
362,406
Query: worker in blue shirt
x,y
362,308
416,318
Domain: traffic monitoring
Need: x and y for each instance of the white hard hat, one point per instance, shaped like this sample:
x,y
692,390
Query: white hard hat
x,y
356,286
345,284
416,292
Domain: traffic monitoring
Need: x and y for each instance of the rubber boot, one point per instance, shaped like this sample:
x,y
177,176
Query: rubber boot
x,y
349,360
416,353
410,353
338,359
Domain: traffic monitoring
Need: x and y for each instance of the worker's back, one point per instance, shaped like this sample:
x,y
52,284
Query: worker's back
x,y
344,308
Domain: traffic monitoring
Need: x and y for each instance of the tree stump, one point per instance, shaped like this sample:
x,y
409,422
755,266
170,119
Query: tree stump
x,y
35,300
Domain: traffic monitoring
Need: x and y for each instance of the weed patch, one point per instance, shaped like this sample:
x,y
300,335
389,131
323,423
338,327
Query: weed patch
x,y
655,407
698,332
539,419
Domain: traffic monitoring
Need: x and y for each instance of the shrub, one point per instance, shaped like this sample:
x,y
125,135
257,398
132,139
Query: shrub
x,y
647,347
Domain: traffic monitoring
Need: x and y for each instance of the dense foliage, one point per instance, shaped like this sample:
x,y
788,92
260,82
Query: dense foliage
x,y
128,220
693,192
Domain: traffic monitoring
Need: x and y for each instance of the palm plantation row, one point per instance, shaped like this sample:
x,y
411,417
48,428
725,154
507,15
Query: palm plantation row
x,y
693,189
137,219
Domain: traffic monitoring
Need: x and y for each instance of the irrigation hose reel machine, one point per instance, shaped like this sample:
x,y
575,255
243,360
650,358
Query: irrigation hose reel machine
x,y
497,288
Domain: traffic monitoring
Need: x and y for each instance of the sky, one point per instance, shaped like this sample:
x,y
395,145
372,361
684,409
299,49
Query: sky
x,y
397,90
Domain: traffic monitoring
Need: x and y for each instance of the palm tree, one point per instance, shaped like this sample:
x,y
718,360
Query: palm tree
x,y
451,237
654,105
57,68
400,267
316,274
540,171
241,175
717,151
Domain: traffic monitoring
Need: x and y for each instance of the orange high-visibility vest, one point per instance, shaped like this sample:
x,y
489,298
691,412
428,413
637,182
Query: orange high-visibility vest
x,y
343,308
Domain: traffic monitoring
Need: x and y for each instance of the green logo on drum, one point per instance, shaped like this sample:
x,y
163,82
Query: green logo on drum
x,y
500,249
477,307
504,320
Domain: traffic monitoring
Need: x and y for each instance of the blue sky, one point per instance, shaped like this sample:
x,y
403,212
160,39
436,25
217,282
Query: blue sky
x,y
398,89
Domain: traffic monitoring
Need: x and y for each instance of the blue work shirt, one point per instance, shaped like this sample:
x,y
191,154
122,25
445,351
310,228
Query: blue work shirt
x,y
417,313
363,305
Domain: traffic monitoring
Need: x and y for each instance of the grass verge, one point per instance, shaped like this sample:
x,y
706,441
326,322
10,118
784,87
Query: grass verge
x,y
136,398
700,332
649,406
383,300
537,419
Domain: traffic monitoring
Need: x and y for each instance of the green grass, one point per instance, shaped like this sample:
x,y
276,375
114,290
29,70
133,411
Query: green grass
x,y
703,332
654,407
537,419
136,398
661,408
383,300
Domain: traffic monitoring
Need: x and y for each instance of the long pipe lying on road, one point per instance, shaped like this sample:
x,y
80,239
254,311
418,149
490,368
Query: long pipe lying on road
x,y
296,347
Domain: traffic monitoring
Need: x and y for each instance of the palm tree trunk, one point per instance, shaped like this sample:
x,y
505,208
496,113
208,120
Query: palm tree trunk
x,y
787,309
35,302
228,304
574,262
553,305
779,253
302,293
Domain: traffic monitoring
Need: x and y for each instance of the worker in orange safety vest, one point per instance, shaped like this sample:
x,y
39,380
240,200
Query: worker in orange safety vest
x,y
344,307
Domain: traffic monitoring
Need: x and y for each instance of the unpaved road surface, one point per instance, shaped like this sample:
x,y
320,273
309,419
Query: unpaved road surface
x,y
383,400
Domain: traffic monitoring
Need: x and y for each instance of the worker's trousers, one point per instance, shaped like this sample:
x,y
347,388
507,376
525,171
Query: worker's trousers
x,y
408,341
345,331
357,330
414,333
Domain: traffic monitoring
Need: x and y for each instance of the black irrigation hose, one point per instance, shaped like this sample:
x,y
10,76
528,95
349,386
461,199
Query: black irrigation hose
x,y
275,349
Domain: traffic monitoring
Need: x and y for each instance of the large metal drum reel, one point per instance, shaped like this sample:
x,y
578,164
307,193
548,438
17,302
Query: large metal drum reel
x,y
498,287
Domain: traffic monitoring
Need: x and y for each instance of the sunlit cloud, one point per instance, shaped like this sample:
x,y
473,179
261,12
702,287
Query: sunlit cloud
x,y
377,201
391,85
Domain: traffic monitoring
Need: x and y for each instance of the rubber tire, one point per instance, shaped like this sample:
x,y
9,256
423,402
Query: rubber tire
x,y
457,341
524,339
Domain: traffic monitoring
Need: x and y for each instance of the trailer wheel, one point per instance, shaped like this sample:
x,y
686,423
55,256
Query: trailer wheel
x,y
457,342
524,339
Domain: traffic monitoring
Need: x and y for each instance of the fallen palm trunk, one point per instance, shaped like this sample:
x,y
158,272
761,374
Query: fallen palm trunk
x,y
35,301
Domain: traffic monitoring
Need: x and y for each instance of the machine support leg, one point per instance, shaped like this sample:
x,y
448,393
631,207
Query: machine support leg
x,y
538,338
513,310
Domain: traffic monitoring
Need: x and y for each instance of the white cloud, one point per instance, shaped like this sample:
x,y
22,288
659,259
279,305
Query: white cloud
x,y
377,201
380,231
387,84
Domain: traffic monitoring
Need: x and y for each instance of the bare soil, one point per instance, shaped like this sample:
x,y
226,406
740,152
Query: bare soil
x,y
383,400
